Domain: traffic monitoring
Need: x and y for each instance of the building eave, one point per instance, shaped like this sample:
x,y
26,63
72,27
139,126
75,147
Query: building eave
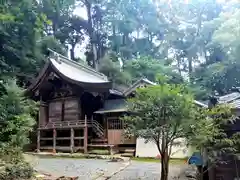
x,y
71,71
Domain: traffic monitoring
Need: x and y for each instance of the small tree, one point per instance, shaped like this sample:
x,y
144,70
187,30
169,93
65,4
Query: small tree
x,y
159,114
16,116
16,121
209,134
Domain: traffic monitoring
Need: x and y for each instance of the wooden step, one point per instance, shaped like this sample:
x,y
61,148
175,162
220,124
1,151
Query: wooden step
x,y
100,145
127,150
127,154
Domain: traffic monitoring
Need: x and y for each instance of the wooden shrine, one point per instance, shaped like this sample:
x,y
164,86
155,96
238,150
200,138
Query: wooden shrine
x,y
79,110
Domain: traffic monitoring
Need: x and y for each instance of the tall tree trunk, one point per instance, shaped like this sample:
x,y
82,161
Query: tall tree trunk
x,y
115,47
72,53
179,64
164,153
164,166
190,68
56,19
91,33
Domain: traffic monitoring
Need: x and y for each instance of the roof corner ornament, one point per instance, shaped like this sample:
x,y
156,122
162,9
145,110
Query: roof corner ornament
x,y
57,58
54,55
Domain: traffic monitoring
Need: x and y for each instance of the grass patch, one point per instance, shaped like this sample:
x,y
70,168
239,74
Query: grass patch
x,y
69,155
148,159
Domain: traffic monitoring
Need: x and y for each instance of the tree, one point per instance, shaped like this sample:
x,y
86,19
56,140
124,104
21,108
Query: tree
x,y
16,122
220,71
66,27
17,116
148,67
158,113
209,134
110,66
20,30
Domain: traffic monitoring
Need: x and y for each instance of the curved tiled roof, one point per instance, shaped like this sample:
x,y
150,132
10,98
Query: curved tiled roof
x,y
72,71
76,72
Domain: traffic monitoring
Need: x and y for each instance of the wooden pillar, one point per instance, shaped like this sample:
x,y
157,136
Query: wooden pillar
x,y
54,140
38,140
85,143
72,141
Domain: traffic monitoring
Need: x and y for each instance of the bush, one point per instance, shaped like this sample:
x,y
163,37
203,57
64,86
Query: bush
x,y
16,122
21,170
16,116
10,154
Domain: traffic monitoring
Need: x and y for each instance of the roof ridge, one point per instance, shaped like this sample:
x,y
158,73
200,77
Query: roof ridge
x,y
146,80
86,68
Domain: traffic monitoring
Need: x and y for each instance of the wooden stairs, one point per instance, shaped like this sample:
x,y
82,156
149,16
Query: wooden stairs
x,y
127,151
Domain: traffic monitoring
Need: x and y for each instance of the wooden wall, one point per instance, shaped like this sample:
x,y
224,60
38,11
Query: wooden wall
x,y
72,109
43,114
55,111
117,137
115,132
64,109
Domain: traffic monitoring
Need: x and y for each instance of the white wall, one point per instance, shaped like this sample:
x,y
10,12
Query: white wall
x,y
149,149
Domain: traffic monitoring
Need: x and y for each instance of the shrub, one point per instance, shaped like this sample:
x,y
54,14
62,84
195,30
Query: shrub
x,y
16,116
21,170
10,154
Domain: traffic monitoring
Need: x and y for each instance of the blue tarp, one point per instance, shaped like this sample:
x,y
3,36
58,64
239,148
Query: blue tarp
x,y
196,159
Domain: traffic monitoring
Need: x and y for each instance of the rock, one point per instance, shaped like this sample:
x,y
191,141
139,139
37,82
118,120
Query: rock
x,y
191,172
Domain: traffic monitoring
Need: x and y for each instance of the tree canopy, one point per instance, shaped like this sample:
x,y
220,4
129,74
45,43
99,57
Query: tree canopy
x,y
159,113
189,41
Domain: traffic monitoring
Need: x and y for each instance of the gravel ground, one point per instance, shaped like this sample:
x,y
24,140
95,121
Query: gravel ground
x,y
85,169
149,171
88,169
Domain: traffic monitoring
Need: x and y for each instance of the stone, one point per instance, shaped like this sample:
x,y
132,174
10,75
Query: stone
x,y
191,172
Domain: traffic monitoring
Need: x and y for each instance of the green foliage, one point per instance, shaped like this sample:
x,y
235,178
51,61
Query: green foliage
x,y
220,70
236,140
16,121
148,67
110,66
159,113
17,116
17,171
209,132
159,109
20,33
10,154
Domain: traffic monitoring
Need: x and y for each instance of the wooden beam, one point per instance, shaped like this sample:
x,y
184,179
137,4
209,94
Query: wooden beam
x,y
38,140
54,140
72,141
